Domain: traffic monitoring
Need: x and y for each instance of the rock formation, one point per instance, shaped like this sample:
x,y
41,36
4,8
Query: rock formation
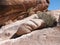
x,y
27,25
49,36
12,10
27,22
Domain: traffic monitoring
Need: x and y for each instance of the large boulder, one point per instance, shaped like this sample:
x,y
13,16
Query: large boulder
x,y
19,9
48,36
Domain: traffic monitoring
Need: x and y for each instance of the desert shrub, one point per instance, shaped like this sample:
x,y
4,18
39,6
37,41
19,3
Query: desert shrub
x,y
48,18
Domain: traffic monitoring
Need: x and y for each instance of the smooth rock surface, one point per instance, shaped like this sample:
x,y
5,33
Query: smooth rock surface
x,y
48,36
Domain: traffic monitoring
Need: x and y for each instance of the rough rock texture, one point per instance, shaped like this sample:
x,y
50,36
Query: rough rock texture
x,y
26,25
19,9
21,27
31,30
49,36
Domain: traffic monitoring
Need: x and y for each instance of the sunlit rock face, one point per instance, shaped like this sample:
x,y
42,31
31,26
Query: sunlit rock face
x,y
32,30
48,36
19,9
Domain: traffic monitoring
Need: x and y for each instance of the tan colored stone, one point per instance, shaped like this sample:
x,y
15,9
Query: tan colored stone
x,y
30,25
21,27
49,36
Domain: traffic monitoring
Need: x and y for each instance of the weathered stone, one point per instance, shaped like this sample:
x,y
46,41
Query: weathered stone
x,y
18,9
21,27
12,10
30,25
49,36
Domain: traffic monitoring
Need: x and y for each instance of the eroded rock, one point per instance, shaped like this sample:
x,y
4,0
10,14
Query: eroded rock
x,y
19,9
21,27
48,36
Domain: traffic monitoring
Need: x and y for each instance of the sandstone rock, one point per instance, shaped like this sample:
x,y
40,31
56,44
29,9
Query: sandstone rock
x,y
30,25
49,36
21,27
13,9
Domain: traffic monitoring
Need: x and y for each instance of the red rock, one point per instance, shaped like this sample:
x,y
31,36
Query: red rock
x,y
18,9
